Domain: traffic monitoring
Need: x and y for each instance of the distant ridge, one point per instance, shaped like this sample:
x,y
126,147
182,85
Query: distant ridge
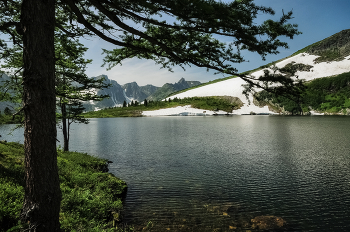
x,y
332,48
169,88
119,93
133,92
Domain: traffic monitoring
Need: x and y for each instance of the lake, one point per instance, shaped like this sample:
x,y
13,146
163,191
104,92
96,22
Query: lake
x,y
217,173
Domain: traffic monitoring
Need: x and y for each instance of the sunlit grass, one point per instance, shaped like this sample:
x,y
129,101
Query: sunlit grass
x,y
92,199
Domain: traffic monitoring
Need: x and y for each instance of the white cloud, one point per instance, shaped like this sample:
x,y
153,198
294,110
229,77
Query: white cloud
x,y
143,71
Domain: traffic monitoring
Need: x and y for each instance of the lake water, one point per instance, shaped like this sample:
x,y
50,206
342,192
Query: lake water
x,y
218,173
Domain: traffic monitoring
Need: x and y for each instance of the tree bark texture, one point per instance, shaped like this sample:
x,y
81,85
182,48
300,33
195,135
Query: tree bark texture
x,y
64,127
42,190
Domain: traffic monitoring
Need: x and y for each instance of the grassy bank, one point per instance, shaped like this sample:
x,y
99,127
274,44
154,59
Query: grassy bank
x,y
92,198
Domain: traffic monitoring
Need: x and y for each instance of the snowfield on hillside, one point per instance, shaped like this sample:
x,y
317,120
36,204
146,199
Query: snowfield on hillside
x,y
182,111
233,87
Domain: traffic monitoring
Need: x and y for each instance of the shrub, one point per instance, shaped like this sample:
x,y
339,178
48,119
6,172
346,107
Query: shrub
x,y
91,199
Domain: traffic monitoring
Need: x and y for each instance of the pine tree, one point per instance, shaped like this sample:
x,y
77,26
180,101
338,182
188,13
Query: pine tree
x,y
190,39
7,111
72,84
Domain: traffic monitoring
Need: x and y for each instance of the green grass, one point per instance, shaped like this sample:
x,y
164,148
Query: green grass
x,y
214,103
328,55
92,199
307,48
115,112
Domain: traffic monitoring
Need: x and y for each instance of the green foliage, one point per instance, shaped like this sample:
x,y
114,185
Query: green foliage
x,y
211,103
9,119
7,111
288,104
72,85
328,55
91,198
306,49
11,199
191,39
11,184
329,95
130,111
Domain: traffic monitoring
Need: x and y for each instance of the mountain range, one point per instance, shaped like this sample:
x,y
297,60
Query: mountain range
x,y
120,93
133,92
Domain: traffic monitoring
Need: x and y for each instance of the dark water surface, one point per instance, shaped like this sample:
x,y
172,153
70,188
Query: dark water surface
x,y
218,173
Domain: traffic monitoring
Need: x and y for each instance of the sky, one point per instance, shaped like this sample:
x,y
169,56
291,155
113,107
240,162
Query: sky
x,y
317,20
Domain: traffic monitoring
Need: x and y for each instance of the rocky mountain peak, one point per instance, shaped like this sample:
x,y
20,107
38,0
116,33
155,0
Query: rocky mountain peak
x,y
169,88
182,80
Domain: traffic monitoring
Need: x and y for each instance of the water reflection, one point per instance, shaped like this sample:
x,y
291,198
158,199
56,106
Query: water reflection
x,y
219,173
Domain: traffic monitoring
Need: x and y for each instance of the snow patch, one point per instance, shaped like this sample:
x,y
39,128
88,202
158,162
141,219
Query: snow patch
x,y
127,99
182,111
233,87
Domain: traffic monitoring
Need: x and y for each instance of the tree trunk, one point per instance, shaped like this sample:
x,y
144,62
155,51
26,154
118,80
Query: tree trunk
x,y
64,127
42,191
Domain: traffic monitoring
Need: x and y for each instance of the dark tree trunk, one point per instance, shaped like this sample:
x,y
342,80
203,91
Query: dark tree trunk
x,y
64,127
42,191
